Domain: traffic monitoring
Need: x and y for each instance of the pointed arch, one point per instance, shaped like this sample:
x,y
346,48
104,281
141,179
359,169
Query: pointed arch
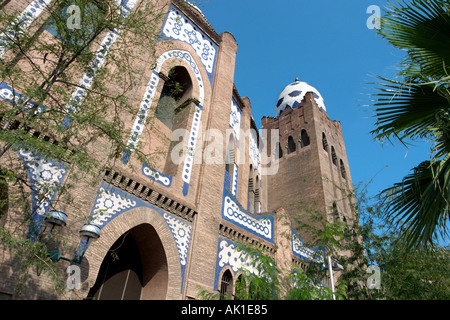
x,y
230,154
174,98
257,195
291,145
304,139
251,190
161,277
324,142
226,285
333,156
342,167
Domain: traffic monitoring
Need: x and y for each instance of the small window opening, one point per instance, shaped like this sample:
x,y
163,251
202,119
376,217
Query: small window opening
x,y
291,145
304,139
324,142
333,156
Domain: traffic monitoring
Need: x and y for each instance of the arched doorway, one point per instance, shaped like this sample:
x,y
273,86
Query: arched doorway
x,y
134,268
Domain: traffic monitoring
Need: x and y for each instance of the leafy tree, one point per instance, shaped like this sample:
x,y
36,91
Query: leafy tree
x,y
419,273
416,107
48,111
406,273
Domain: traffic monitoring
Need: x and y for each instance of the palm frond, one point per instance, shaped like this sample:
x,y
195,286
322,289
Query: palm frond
x,y
420,27
420,203
407,110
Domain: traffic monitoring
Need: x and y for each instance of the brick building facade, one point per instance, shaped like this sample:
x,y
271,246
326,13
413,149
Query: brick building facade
x,y
175,225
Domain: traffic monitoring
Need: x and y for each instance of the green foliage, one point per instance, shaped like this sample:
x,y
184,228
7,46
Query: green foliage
x,y
44,65
416,108
419,273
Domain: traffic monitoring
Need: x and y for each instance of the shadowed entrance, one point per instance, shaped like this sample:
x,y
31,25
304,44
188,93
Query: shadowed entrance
x,y
135,268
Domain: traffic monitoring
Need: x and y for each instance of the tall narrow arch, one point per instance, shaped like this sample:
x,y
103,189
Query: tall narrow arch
x,y
257,195
230,155
291,145
176,91
324,142
251,190
131,272
4,200
335,213
333,156
180,57
342,167
304,139
280,151
226,285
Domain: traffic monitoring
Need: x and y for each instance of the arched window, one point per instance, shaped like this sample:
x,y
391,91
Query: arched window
x,y
336,216
226,285
173,112
333,156
4,199
257,198
280,151
343,173
291,145
256,291
241,288
324,142
304,139
230,155
251,190
174,97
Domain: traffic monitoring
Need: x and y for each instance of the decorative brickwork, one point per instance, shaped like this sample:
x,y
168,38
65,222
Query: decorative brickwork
x,y
183,224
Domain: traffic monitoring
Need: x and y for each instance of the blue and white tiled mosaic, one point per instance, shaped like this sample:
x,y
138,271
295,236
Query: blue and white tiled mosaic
x,y
255,152
300,250
13,97
235,121
45,178
24,20
180,28
144,109
230,256
156,175
261,226
234,180
112,201
96,64
293,95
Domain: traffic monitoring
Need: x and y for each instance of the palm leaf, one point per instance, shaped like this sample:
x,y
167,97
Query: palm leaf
x,y
420,204
407,110
421,27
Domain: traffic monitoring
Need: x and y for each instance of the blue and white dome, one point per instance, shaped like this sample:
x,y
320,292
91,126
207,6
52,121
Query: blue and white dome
x,y
293,95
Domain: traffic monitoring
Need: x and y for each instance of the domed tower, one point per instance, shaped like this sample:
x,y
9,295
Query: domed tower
x,y
313,176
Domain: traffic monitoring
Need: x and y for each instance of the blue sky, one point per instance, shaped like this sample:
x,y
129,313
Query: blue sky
x,y
327,44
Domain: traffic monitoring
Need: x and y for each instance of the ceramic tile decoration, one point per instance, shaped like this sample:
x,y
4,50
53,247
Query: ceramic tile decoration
x,y
21,23
255,152
144,110
112,201
85,84
232,211
302,251
235,121
234,181
13,97
179,27
293,95
45,178
156,175
230,256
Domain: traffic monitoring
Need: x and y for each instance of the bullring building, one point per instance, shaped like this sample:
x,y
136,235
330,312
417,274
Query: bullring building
x,y
162,229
